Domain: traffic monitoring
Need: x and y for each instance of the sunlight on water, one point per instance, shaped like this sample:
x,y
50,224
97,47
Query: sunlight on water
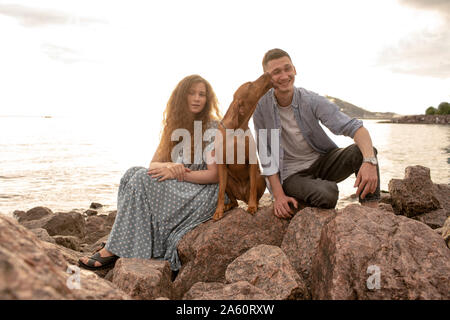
x,y
65,163
402,145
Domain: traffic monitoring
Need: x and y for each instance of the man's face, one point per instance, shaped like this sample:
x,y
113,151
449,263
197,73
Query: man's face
x,y
283,74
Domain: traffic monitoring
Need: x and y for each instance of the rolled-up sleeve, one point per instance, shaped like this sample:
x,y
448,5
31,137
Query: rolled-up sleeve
x,y
338,122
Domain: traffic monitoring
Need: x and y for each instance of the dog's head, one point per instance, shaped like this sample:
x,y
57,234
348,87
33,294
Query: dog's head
x,y
247,96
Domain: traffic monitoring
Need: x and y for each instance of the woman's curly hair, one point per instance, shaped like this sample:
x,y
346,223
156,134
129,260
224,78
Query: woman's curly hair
x,y
177,115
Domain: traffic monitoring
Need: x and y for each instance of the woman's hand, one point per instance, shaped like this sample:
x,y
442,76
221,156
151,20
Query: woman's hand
x,y
171,171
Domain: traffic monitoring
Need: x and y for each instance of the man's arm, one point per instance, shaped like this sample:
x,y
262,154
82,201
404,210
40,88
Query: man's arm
x,y
367,178
341,124
336,121
281,207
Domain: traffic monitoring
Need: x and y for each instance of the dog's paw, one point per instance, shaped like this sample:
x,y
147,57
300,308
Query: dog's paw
x,y
230,206
218,215
252,209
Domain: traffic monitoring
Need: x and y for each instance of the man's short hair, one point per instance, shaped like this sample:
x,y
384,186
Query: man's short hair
x,y
272,55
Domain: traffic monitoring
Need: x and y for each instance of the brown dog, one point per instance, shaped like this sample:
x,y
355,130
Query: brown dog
x,y
240,179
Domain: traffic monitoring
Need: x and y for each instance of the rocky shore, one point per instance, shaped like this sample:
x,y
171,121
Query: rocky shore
x,y
421,118
396,251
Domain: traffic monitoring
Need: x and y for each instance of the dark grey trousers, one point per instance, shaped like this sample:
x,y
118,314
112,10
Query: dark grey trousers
x,y
317,185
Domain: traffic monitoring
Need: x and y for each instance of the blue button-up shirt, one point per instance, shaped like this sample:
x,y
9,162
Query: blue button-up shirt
x,y
309,108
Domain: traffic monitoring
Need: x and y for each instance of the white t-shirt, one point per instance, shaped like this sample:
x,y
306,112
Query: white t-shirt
x,y
298,155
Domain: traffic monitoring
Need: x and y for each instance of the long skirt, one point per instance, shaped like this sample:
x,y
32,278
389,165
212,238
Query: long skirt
x,y
153,216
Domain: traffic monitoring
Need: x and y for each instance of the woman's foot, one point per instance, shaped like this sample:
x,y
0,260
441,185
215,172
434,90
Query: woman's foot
x,y
100,259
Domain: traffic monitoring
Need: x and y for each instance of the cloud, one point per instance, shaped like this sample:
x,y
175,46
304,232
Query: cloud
x,y
39,17
442,6
34,17
423,53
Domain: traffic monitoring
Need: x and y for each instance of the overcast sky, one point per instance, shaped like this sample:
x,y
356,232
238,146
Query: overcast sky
x,y
123,58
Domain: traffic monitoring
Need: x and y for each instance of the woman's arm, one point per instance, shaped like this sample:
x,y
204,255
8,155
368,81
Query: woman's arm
x,y
210,175
157,165
166,169
207,176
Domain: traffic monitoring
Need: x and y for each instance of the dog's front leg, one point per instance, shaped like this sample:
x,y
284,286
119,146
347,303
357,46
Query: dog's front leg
x,y
230,187
223,175
252,199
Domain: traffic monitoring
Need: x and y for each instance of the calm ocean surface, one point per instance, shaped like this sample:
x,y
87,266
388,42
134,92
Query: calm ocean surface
x,y
67,163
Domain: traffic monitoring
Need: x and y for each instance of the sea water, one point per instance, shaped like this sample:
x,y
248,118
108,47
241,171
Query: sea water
x,y
66,163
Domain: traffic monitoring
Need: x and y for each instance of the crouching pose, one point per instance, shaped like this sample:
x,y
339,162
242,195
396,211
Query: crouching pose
x,y
305,164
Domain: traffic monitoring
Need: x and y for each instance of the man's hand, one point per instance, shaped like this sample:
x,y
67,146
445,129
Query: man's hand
x,y
171,171
366,180
281,207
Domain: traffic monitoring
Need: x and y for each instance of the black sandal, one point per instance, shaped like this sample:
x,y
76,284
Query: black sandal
x,y
105,261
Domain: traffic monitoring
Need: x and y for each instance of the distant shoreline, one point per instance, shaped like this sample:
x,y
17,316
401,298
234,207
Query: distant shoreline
x,y
385,118
420,119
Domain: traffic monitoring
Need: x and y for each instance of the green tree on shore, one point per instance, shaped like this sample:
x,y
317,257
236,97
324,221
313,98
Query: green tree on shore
x,y
431,110
443,108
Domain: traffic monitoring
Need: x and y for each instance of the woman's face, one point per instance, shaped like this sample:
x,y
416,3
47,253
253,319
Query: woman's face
x,y
196,97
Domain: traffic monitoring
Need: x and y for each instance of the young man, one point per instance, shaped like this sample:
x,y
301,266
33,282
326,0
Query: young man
x,y
306,164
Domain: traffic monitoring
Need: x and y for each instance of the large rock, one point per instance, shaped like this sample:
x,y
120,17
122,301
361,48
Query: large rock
x,y
446,232
442,193
61,223
267,267
96,228
367,253
43,235
436,218
207,250
27,271
143,279
241,290
70,242
61,256
302,239
111,217
33,214
415,194
96,205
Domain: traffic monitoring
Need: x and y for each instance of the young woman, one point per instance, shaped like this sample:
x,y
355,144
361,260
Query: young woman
x,y
158,205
